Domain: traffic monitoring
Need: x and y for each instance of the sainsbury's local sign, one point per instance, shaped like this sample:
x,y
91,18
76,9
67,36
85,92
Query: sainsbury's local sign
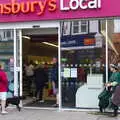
x,y
30,10
39,6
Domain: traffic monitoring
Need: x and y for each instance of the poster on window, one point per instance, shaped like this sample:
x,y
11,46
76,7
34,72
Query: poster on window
x,y
73,72
66,73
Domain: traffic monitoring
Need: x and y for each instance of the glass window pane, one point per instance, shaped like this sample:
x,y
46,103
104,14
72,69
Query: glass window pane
x,y
7,57
75,27
83,28
83,66
8,34
76,23
66,28
114,41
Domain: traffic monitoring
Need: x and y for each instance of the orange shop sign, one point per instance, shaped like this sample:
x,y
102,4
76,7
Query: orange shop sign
x,y
14,7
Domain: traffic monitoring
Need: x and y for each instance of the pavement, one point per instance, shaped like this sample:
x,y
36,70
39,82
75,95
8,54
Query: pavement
x,y
39,114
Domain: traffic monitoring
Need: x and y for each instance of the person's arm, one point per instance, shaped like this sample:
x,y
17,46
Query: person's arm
x,y
116,81
4,78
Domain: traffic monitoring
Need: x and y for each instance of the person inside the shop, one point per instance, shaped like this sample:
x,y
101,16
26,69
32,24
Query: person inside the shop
x,y
29,71
40,80
3,90
54,79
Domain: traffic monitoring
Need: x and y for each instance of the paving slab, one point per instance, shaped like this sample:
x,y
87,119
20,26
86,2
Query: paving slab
x,y
37,114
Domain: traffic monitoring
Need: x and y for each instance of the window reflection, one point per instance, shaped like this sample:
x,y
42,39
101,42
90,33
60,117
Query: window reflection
x,y
83,62
114,41
80,27
7,57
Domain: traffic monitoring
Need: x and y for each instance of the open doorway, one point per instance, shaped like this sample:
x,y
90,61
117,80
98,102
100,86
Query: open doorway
x,y
39,46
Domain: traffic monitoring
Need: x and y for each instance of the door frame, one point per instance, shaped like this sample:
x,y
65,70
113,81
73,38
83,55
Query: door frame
x,y
28,25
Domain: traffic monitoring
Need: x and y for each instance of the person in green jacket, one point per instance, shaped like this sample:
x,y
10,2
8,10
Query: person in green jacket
x,y
115,77
105,97
113,82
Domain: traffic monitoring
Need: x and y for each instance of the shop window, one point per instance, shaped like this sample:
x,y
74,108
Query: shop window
x,y
6,35
93,26
117,25
66,28
83,64
80,27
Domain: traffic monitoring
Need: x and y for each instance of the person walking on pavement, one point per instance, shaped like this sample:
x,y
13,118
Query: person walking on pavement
x,y
108,97
3,90
114,84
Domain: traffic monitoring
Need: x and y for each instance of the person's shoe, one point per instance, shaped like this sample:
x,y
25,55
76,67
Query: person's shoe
x,y
34,98
115,113
4,112
41,101
55,105
101,109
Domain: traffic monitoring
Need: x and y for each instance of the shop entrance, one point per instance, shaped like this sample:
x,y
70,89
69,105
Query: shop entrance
x,y
39,47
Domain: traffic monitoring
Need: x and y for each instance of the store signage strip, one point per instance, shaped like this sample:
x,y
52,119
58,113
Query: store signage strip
x,y
38,10
39,6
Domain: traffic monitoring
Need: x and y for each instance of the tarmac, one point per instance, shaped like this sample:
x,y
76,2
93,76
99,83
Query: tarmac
x,y
42,114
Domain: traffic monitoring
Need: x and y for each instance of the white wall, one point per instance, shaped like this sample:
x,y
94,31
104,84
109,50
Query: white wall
x,y
117,25
93,26
40,31
21,25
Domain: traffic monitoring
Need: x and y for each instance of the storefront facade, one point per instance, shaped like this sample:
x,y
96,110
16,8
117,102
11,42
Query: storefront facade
x,y
88,40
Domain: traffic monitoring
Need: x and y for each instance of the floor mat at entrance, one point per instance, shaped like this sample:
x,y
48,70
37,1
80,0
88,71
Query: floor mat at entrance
x,y
47,103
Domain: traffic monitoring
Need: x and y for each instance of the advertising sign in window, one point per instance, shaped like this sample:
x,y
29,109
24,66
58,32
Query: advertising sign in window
x,y
66,73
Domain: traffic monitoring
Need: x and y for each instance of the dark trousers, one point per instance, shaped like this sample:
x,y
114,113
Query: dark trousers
x,y
30,79
39,92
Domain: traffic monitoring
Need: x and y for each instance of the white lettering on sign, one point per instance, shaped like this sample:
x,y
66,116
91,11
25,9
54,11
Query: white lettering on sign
x,y
76,4
62,7
80,4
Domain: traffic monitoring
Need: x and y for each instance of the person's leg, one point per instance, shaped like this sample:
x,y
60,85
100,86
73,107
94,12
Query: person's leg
x,y
37,92
53,87
115,113
3,102
41,94
30,84
57,98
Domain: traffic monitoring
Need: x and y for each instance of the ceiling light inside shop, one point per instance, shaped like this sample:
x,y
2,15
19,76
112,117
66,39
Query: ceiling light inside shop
x,y
50,44
26,37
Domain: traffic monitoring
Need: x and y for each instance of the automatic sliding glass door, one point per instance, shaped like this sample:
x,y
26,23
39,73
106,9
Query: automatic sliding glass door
x,y
10,58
